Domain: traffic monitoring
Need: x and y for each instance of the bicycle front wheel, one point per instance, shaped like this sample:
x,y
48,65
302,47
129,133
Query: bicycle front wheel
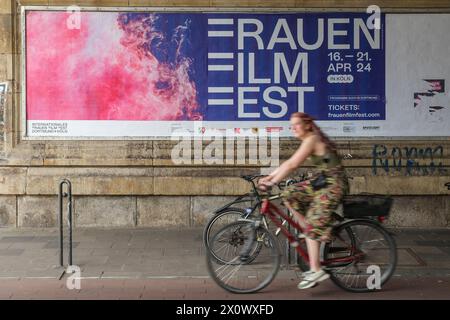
x,y
234,273
362,257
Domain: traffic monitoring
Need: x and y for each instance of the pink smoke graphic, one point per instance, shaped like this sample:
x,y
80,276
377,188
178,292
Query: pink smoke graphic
x,y
102,71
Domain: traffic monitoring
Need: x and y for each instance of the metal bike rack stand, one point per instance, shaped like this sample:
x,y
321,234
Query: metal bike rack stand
x,y
69,219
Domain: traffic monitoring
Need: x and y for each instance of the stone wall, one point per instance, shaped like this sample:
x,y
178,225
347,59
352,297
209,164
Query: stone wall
x,y
129,183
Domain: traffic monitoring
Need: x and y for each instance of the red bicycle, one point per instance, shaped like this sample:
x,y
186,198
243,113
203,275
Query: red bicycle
x,y
244,256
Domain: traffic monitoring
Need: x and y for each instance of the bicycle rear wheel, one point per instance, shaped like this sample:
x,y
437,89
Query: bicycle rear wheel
x,y
217,221
236,274
362,257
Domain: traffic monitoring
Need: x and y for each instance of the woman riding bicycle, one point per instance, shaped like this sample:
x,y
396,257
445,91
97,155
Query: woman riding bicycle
x,y
312,201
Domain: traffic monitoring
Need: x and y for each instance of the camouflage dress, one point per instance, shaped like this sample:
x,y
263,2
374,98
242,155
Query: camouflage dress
x,y
318,205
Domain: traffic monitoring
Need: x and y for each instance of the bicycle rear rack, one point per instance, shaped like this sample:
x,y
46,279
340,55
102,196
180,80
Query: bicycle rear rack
x,y
69,220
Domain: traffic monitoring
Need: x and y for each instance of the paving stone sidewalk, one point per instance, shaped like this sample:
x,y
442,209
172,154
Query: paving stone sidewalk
x,y
168,253
283,288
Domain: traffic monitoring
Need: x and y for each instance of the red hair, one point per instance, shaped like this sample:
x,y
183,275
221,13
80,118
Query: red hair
x,y
307,119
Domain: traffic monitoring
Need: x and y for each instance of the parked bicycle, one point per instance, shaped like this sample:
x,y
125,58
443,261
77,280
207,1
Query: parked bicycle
x,y
244,256
230,212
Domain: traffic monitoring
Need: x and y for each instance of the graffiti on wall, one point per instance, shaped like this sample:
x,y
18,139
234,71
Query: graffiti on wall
x,y
408,160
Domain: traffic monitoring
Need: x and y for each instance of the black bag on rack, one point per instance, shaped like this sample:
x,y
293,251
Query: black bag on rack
x,y
367,205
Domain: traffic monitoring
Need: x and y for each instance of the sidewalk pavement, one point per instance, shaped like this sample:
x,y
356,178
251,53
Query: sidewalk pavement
x,y
163,254
170,252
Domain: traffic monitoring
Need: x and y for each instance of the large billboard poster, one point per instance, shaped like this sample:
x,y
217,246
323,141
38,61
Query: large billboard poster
x,y
155,74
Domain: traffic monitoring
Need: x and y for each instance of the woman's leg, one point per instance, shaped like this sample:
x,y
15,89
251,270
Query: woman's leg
x,y
297,215
316,274
319,220
314,254
313,246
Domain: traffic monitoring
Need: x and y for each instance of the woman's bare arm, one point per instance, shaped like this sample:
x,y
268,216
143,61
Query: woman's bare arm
x,y
296,160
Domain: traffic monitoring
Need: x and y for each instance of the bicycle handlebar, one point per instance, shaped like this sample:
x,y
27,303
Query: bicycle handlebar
x,y
267,194
281,184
